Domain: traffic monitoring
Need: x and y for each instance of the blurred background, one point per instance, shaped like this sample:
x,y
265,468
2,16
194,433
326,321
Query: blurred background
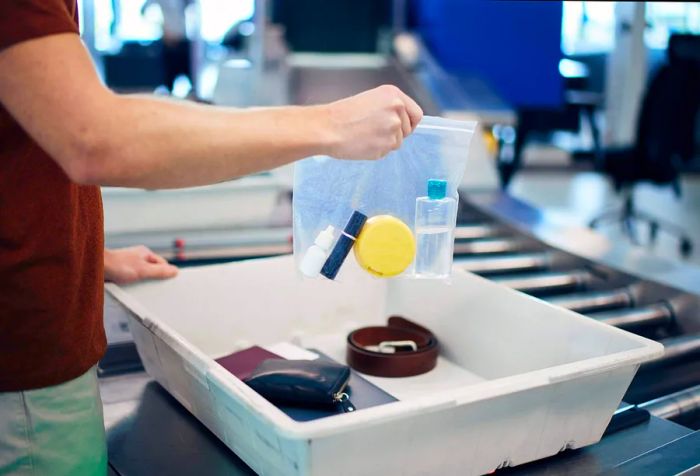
x,y
558,88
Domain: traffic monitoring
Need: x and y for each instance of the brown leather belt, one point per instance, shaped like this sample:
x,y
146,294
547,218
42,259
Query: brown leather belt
x,y
399,349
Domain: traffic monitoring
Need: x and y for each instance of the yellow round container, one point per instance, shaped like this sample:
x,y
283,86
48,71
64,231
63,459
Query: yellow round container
x,y
385,246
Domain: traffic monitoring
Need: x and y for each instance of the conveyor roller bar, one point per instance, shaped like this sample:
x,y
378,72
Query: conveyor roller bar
x,y
677,349
679,405
477,230
505,264
655,315
490,246
547,282
592,301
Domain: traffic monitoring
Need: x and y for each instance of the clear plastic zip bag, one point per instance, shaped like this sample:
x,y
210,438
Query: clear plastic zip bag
x,y
372,206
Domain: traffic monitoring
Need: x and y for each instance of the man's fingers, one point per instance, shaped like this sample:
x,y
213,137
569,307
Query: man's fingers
x,y
398,140
159,271
406,127
156,259
414,111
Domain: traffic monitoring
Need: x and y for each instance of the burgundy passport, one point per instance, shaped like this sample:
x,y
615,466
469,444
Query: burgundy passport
x,y
363,394
243,362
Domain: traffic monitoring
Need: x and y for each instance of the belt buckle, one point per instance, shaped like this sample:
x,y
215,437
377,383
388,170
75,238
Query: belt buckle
x,y
393,346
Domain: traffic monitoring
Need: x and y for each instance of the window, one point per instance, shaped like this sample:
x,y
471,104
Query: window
x,y
664,19
117,21
589,27
218,16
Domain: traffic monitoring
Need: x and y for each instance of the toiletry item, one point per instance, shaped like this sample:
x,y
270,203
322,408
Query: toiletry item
x,y
343,245
385,247
436,217
317,253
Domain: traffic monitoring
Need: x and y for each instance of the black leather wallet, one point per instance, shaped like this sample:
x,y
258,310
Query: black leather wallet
x,y
302,382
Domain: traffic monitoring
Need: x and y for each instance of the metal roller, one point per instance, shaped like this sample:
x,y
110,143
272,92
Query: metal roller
x,y
676,350
548,282
655,315
596,300
676,406
505,264
476,230
490,246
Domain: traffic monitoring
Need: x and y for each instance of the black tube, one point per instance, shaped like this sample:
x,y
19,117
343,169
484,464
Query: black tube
x,y
343,245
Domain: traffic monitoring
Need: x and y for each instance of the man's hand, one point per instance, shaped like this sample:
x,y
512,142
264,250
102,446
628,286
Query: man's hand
x,y
137,263
373,123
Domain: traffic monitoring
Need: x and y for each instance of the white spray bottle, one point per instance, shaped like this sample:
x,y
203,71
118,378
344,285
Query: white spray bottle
x,y
317,253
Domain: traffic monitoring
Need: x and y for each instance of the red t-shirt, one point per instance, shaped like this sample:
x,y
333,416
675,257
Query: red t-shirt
x,y
51,238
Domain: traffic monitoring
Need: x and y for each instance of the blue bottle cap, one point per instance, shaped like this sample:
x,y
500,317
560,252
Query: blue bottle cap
x,y
437,189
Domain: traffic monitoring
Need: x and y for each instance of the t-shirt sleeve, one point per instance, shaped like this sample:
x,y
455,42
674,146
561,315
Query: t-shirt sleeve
x,y
22,20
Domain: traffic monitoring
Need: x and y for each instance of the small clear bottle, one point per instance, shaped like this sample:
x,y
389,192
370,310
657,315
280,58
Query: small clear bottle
x,y
436,216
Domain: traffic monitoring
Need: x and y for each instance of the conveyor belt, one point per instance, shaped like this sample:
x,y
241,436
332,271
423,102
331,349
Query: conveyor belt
x,y
595,300
607,282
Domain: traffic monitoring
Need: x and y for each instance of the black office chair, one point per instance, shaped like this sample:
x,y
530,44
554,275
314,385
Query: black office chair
x,y
665,140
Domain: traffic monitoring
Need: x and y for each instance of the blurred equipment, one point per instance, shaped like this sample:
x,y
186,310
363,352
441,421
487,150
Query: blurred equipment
x,y
484,45
665,140
135,55
340,26
135,67
177,58
627,73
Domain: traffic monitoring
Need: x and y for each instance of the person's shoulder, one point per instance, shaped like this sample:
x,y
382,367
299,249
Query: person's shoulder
x,y
29,19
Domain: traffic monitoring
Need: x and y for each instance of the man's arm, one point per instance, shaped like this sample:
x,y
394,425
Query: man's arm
x,y
50,87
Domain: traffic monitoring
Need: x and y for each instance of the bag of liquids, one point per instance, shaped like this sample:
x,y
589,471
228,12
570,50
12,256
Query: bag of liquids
x,y
394,216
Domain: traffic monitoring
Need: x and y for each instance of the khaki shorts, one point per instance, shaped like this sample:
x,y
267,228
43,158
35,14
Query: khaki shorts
x,y
54,430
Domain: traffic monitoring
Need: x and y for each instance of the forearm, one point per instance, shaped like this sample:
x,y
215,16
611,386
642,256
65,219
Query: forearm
x,y
160,143
99,137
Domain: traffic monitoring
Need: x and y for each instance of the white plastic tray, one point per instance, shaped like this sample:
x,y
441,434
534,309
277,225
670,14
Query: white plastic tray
x,y
519,379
